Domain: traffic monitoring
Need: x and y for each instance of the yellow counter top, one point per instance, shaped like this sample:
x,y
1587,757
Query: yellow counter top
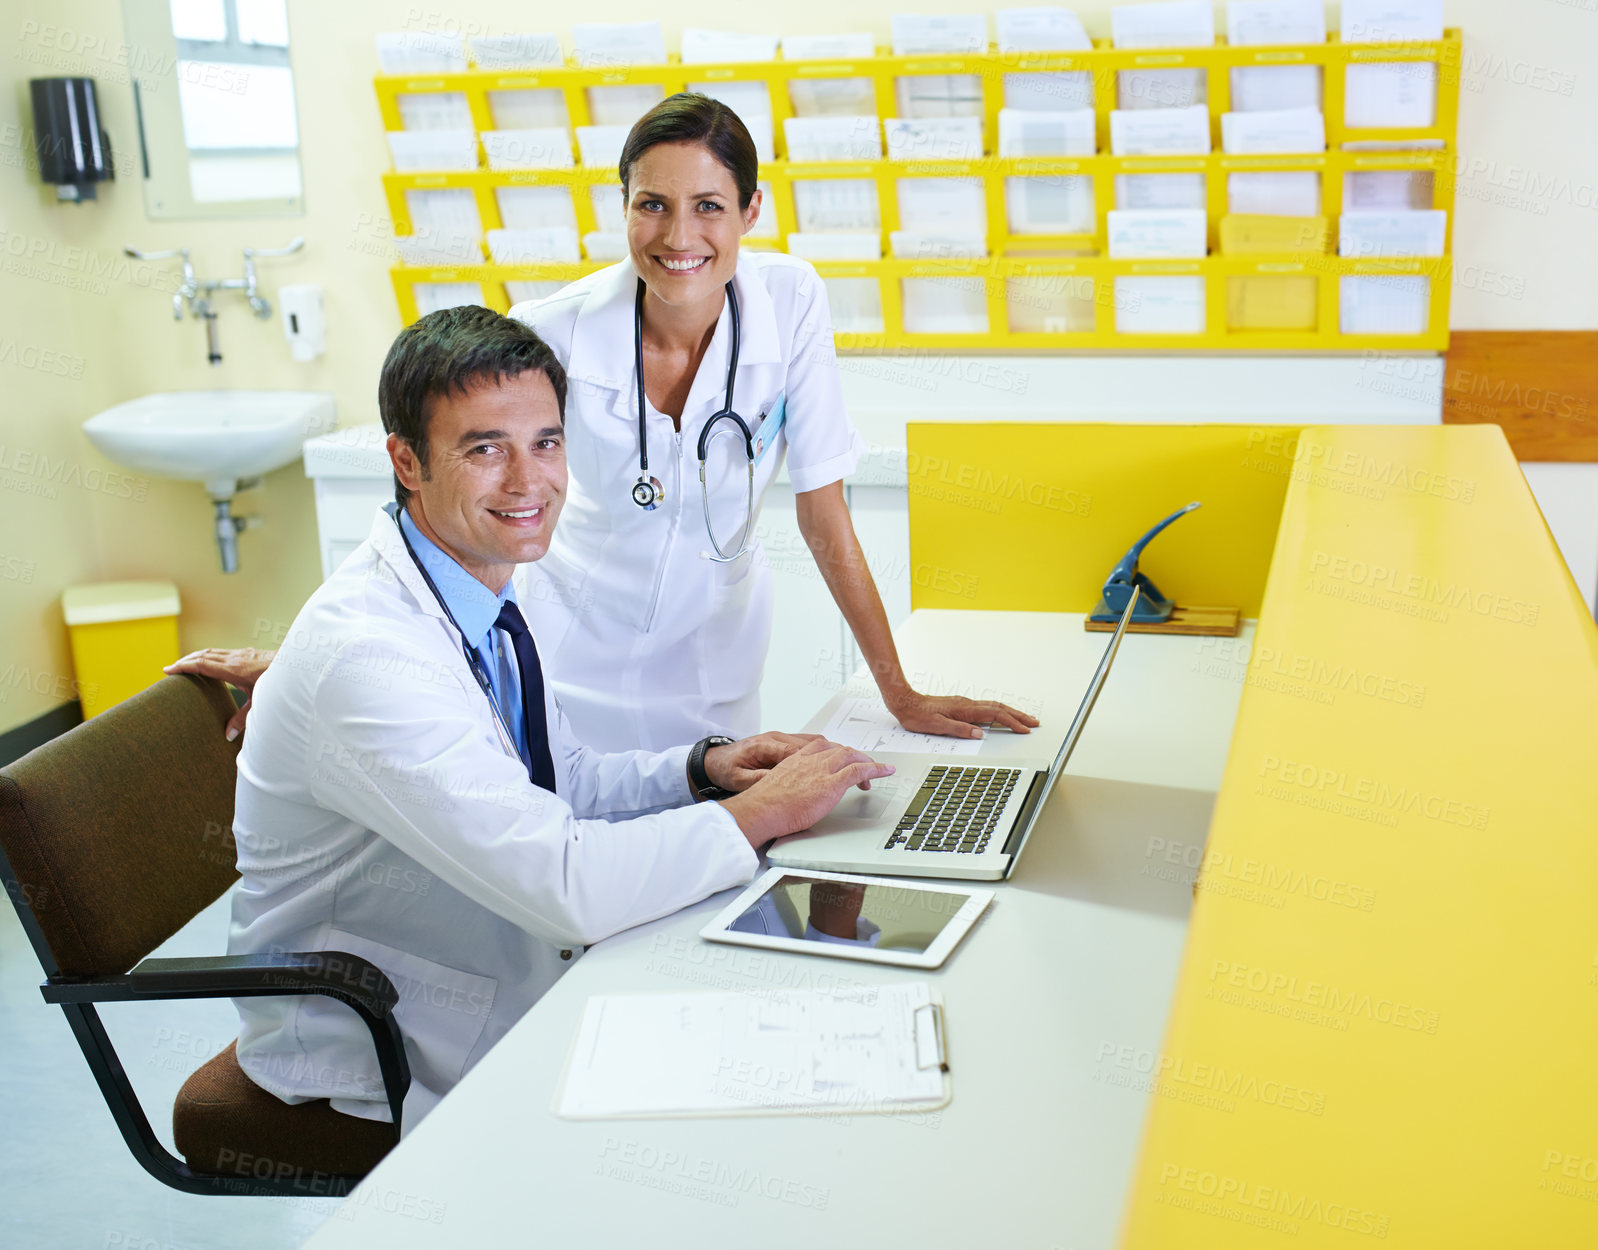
x,y
1386,1025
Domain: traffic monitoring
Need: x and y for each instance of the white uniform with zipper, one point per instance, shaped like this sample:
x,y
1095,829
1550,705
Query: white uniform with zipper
x,y
647,643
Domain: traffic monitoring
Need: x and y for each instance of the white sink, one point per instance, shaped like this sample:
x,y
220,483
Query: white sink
x,y
215,437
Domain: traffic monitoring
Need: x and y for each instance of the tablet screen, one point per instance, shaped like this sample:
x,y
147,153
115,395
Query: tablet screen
x,y
847,913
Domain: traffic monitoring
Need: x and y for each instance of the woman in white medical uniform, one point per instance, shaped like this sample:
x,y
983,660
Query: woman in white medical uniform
x,y
651,635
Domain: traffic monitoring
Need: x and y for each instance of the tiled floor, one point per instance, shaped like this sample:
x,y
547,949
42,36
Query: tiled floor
x,y
70,1181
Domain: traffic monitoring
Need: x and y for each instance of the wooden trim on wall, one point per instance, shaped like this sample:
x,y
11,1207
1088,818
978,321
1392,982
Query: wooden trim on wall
x,y
1539,386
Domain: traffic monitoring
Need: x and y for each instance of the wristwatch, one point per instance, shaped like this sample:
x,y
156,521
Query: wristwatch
x,y
696,767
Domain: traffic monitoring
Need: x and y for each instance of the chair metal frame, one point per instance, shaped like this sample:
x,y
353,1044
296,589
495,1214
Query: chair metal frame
x,y
350,979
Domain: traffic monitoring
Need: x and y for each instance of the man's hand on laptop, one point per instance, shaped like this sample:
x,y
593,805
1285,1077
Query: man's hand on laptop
x,y
738,766
800,789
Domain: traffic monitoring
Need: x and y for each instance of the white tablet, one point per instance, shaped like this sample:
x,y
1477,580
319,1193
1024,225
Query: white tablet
x,y
883,920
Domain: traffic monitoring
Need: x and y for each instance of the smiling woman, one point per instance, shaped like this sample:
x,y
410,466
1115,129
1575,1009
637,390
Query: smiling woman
x,y
683,226
652,635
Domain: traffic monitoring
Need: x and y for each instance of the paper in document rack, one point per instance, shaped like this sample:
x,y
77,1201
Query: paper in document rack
x,y
652,1056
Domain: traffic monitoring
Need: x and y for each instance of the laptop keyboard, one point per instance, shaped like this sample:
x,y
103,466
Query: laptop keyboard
x,y
955,810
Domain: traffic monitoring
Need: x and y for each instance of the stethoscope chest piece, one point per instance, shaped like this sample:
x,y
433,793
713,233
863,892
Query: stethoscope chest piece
x,y
648,493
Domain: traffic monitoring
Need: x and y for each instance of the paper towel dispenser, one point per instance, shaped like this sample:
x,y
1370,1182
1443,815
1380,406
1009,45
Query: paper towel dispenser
x,y
74,153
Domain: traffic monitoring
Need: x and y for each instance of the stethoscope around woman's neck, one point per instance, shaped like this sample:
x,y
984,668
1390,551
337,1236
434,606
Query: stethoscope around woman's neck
x,y
647,492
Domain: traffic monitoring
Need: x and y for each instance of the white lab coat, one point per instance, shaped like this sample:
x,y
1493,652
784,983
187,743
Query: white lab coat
x,y
649,644
379,812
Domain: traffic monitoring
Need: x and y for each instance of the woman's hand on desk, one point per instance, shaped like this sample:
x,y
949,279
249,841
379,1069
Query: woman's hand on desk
x,y
956,716
740,765
801,789
241,668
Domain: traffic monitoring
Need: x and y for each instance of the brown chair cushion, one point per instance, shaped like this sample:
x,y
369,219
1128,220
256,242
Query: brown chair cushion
x,y
225,1123
121,830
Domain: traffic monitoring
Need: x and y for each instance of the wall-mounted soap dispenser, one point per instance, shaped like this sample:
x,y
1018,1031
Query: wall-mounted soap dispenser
x,y
304,323
74,152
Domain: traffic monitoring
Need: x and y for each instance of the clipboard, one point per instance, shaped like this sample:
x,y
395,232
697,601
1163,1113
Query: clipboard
x,y
678,1056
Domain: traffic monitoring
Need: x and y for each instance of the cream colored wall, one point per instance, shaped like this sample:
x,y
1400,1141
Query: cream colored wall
x,y
81,329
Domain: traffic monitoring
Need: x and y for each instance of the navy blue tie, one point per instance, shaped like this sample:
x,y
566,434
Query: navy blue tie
x,y
540,765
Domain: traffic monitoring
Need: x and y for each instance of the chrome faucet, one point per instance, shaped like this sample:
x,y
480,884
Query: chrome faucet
x,y
195,293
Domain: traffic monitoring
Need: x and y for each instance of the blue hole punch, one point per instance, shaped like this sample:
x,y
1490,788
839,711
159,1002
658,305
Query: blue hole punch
x,y
1153,608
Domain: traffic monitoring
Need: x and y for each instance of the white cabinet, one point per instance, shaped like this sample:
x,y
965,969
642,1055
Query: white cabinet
x,y
351,478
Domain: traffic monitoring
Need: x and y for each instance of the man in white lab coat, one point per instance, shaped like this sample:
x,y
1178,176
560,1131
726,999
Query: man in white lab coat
x,y
408,789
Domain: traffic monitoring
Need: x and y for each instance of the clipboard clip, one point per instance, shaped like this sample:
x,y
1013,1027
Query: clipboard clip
x,y
932,1041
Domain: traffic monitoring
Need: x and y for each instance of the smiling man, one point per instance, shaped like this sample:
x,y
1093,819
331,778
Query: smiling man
x,y
409,790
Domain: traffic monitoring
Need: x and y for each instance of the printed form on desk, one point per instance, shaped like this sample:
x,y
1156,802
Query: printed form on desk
x,y
866,1049
867,725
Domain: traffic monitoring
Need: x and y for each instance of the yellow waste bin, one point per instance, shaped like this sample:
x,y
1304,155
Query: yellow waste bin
x,y
122,634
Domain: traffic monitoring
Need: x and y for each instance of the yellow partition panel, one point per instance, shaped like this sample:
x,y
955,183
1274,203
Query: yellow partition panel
x,y
1386,1022
1032,517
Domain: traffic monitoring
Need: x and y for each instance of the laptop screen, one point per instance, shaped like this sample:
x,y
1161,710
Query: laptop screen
x,y
1075,732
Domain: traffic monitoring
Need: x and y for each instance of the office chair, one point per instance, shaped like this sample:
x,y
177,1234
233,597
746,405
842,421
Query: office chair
x,y
112,838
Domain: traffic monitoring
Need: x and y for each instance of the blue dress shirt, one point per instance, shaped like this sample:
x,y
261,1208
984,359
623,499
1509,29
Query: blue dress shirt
x,y
475,608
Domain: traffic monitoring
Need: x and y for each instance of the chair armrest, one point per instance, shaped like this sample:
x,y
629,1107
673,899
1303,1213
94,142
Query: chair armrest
x,y
334,973
355,981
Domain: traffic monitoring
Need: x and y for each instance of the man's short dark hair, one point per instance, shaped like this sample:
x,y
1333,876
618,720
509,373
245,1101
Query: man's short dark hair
x,y
448,352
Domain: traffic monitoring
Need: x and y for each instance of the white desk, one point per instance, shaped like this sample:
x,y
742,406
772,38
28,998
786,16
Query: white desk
x,y
1076,960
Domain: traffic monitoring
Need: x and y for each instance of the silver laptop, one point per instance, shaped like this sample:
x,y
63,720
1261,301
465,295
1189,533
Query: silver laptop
x,y
946,819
